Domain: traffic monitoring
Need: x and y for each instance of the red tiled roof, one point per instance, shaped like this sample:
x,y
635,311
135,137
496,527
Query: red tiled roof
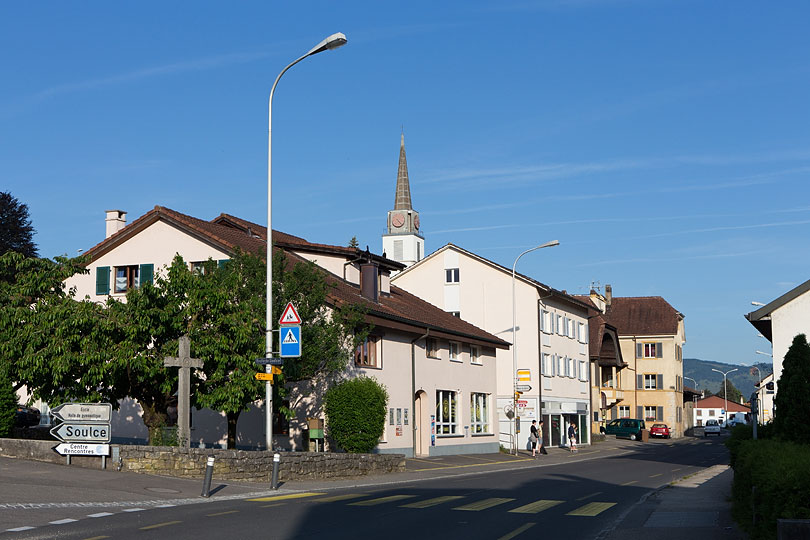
x,y
642,316
716,402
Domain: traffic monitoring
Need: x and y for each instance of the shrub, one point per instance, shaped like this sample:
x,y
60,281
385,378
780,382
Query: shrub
x,y
355,413
771,481
8,406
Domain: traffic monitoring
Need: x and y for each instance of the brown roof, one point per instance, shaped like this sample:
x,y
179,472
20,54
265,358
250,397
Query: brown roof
x,y
642,316
399,309
716,402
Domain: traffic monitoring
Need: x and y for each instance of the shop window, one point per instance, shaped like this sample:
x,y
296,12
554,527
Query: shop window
x,y
446,409
479,412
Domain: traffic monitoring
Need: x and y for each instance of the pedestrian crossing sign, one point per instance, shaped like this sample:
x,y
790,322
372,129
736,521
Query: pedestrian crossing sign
x,y
290,341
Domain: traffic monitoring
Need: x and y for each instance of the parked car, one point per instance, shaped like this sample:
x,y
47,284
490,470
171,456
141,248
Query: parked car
x,y
626,427
26,416
711,427
660,430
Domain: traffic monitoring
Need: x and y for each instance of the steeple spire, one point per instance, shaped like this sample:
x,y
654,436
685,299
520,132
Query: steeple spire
x,y
403,195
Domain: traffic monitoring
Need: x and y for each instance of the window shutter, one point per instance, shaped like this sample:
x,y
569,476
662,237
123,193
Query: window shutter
x,y
542,322
640,382
639,350
659,350
660,381
103,280
542,365
640,412
222,262
147,273
574,371
553,365
587,332
659,413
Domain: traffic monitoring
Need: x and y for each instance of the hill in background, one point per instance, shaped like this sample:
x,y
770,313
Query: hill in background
x,y
743,378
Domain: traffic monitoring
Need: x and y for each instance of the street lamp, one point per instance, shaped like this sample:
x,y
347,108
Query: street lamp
x,y
332,42
759,390
514,336
725,391
754,303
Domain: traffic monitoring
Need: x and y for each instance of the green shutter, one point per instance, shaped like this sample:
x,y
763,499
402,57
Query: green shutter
x,y
639,350
147,273
103,280
659,350
222,262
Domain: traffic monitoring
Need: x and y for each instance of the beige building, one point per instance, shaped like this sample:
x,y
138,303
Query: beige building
x,y
551,338
438,369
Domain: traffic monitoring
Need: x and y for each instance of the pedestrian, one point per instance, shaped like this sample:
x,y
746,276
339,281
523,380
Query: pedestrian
x,y
533,437
572,437
540,436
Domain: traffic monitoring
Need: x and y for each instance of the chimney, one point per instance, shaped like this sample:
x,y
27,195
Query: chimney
x,y
369,280
116,220
608,294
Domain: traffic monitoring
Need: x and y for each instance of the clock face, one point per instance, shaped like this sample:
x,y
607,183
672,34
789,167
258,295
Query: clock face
x,y
416,221
397,220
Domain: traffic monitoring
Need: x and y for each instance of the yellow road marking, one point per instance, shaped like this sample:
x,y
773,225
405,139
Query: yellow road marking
x,y
223,513
422,460
589,496
97,538
517,531
432,502
654,475
591,509
382,500
285,497
158,525
272,505
474,464
630,482
335,498
483,505
678,469
535,507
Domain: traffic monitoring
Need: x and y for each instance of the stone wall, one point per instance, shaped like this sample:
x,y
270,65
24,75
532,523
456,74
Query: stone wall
x,y
241,465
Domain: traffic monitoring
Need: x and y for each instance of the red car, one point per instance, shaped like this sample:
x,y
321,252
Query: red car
x,y
660,430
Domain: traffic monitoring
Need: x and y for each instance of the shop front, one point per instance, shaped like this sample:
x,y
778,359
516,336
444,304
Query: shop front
x,y
558,416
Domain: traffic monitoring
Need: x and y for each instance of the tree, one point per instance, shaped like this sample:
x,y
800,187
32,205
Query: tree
x,y
355,413
733,393
353,243
16,230
792,401
8,406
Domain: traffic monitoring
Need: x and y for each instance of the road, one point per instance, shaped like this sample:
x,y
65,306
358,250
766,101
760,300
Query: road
x,y
576,499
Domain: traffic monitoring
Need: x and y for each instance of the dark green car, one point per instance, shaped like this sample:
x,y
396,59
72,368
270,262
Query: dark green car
x,y
626,427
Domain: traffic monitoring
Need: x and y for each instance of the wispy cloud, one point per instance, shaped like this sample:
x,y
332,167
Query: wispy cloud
x,y
659,259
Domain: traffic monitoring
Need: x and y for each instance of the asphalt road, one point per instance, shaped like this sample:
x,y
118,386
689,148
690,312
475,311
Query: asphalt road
x,y
573,500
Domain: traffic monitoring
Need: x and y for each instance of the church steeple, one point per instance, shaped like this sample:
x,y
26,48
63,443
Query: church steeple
x,y
403,241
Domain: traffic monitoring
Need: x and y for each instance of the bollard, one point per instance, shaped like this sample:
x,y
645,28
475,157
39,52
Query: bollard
x,y
209,472
276,459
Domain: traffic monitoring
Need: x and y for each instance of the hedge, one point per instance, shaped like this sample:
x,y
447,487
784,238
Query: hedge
x,y
355,413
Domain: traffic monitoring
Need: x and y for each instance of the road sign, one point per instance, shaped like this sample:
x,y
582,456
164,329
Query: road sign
x,y
524,375
291,342
264,377
86,433
275,370
523,387
270,361
80,449
290,315
83,412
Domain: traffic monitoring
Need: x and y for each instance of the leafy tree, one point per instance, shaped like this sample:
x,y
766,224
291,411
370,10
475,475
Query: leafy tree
x,y
792,401
353,243
733,393
355,412
8,406
16,230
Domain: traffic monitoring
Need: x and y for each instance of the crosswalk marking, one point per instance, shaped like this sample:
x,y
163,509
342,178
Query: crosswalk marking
x,y
382,500
591,509
285,497
517,531
483,505
335,498
432,502
535,507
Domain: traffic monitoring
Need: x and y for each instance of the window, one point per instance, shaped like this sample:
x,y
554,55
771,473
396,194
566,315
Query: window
x,y
624,411
583,370
366,353
454,349
560,366
451,275
545,321
432,348
545,366
649,382
711,412
650,350
445,412
560,326
582,333
572,328
126,277
700,412
649,413
479,413
475,355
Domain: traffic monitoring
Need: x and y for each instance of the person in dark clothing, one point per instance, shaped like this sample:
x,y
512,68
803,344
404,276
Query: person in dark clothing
x,y
540,437
534,437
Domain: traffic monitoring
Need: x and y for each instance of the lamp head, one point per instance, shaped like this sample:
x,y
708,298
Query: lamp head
x,y
332,42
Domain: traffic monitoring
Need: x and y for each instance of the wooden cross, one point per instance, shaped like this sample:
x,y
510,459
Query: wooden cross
x,y
184,362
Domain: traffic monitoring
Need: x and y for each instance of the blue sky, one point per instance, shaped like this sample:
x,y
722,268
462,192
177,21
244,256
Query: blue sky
x,y
664,143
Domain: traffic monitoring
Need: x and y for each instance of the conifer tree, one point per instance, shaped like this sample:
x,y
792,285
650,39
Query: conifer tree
x,y
792,401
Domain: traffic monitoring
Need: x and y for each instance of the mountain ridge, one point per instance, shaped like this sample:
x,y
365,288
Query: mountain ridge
x,y
744,379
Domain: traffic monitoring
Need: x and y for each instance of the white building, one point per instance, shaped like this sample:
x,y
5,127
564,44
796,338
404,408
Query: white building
x,y
713,408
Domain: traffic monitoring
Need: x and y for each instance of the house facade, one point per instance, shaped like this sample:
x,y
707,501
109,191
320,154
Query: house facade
x,y
550,338
439,370
713,408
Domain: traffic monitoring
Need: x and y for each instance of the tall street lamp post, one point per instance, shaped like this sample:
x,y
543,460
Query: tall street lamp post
x,y
725,391
332,42
514,341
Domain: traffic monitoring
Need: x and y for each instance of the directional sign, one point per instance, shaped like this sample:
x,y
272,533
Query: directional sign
x,y
523,387
80,449
264,377
524,375
270,361
290,341
87,433
275,370
290,315
83,412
